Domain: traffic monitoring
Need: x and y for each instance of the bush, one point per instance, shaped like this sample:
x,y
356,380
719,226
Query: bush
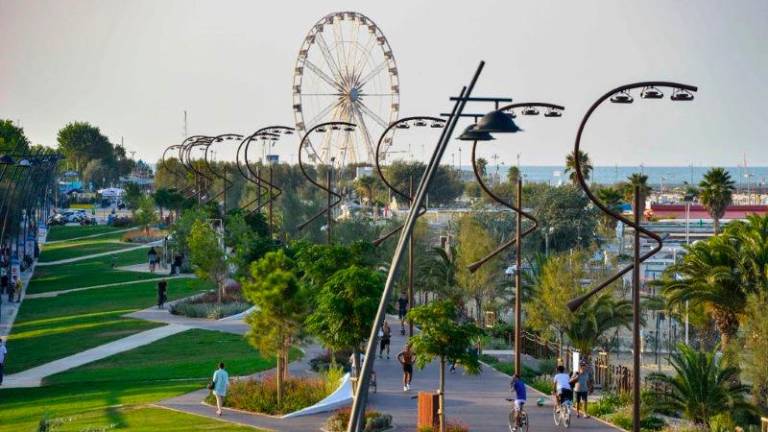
x,y
260,395
722,423
191,309
122,222
374,421
139,236
541,383
547,366
323,361
450,426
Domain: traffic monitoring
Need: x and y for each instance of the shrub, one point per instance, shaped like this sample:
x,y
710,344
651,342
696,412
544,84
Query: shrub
x,y
722,423
322,362
122,222
547,366
374,421
260,395
192,309
139,236
450,426
332,377
541,383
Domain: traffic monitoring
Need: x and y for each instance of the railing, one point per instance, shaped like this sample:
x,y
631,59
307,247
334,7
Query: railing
x,y
540,348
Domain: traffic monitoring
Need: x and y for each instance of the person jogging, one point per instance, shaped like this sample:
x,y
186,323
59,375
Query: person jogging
x,y
405,357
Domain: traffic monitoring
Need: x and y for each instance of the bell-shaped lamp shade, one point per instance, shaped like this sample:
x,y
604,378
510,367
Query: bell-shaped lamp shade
x,y
472,134
6,160
25,163
497,121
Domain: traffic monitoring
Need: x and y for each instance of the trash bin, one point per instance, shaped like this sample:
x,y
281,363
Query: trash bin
x,y
429,403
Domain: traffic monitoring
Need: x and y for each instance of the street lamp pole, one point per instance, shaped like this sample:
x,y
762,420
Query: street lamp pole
x,y
621,95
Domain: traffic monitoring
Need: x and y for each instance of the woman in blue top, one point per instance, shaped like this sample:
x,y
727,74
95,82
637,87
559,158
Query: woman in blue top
x,y
220,383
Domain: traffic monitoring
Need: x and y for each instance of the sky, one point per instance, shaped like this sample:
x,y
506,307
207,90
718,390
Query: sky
x,y
133,67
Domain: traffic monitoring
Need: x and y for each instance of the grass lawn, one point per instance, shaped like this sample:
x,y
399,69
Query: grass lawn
x,y
99,405
77,248
47,329
63,232
90,272
170,358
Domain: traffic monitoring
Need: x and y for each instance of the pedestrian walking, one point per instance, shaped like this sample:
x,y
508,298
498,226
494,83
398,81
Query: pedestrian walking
x,y
152,257
18,288
3,352
402,310
218,386
11,288
162,296
385,335
3,281
405,357
582,379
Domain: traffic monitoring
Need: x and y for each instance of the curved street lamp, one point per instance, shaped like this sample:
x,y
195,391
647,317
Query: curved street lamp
x,y
499,121
621,95
223,177
271,134
323,128
201,179
405,123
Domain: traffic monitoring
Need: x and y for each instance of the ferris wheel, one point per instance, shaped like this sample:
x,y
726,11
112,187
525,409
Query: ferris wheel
x,y
345,72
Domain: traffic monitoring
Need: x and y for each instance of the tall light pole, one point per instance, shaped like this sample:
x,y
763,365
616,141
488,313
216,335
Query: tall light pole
x,y
621,95
500,121
324,128
402,124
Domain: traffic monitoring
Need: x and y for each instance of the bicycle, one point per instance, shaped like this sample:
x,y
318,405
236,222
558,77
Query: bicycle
x,y
523,424
562,413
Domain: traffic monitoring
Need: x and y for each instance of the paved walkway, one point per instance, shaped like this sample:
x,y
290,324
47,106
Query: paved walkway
x,y
34,377
9,310
101,254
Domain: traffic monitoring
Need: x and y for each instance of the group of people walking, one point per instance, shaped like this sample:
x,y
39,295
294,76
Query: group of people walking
x,y
10,286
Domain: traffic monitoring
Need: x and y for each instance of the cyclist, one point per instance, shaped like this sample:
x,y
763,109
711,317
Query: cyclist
x,y
518,386
562,387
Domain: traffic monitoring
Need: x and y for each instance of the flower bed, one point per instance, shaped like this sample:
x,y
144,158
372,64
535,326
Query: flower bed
x,y
374,421
140,236
207,306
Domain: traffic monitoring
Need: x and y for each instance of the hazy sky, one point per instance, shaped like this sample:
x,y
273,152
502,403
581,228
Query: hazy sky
x,y
133,67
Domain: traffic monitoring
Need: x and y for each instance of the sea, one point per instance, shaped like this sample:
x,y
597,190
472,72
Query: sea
x,y
744,178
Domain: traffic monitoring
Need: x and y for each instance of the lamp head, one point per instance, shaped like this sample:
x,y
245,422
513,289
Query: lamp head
x,y
6,160
472,134
497,121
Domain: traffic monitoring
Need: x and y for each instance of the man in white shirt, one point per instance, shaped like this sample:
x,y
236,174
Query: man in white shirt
x,y
3,352
562,386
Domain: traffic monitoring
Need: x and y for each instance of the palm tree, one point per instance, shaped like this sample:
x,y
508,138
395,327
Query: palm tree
x,y
513,174
595,318
365,186
570,166
716,193
708,276
641,180
702,386
750,238
437,272
612,198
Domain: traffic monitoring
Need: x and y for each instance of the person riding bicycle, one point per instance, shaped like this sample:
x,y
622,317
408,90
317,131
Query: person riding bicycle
x,y
562,386
518,386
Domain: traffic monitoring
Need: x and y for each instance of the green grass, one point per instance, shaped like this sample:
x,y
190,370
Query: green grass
x,y
70,323
74,249
90,272
170,358
62,232
99,405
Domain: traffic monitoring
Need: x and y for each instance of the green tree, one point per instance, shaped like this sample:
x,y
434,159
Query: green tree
x,y
132,196
716,193
145,215
612,198
164,199
640,180
444,337
207,255
513,175
702,386
97,174
366,187
437,273
183,227
345,308
565,213
707,276
281,308
595,318
570,166
475,243
482,167
446,185
12,138
755,348
81,142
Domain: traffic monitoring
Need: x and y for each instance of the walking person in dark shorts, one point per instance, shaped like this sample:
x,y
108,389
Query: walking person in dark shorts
x,y
402,310
152,258
405,357
386,338
582,378
162,288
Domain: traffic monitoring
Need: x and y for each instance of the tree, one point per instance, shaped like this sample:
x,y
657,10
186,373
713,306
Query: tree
x,y
513,175
595,318
584,162
444,337
708,276
716,193
612,198
97,174
183,227
750,240
437,273
702,386
565,214
163,199
145,214
12,138
482,167
132,196
640,180
475,243
81,142
207,255
755,348
365,187
446,185
281,307
345,308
